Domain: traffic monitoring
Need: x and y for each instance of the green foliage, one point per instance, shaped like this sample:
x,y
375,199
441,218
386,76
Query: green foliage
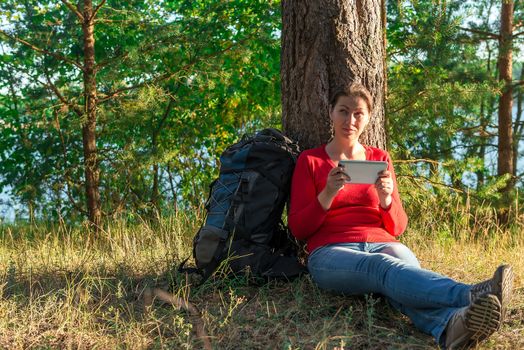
x,y
443,89
177,82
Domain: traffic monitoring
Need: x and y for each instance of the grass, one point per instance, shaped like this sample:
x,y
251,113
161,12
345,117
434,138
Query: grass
x,y
61,289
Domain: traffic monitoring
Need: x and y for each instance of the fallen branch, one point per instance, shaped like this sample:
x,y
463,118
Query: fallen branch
x,y
198,324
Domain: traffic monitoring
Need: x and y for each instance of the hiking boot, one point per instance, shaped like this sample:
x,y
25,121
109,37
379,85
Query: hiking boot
x,y
474,323
501,285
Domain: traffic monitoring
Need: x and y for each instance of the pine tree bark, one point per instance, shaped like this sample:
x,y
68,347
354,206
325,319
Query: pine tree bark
x,y
325,45
89,127
505,127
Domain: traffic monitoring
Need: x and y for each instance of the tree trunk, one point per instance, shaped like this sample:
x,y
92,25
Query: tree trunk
x,y
89,126
505,139
172,184
155,192
325,45
482,140
517,127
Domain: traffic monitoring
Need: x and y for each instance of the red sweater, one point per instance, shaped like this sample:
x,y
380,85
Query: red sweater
x,y
355,214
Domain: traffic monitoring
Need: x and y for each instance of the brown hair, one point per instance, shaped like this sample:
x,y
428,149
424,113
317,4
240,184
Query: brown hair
x,y
353,90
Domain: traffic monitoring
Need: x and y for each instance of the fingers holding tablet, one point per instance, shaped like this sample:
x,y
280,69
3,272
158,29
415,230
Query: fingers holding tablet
x,y
384,183
342,171
336,179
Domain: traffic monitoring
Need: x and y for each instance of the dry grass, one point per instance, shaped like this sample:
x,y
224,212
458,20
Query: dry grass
x,y
61,289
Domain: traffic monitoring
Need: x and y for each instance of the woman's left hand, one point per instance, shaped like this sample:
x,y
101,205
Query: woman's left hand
x,y
384,187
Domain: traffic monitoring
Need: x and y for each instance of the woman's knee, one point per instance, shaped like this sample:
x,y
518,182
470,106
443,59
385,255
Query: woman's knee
x,y
401,252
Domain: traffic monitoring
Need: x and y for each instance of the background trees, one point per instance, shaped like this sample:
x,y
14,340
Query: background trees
x,y
175,82
445,94
142,94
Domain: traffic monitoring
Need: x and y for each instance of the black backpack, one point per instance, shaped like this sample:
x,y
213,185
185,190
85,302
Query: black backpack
x,y
243,226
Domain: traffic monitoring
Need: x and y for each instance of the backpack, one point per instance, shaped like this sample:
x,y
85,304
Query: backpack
x,y
243,225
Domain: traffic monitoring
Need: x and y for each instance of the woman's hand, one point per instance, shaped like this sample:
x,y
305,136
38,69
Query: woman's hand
x,y
335,180
334,183
384,187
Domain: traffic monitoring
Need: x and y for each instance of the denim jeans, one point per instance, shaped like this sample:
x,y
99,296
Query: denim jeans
x,y
390,269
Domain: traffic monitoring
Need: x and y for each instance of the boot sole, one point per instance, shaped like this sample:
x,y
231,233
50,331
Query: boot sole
x,y
483,317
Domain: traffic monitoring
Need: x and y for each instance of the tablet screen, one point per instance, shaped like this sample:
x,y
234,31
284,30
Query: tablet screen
x,y
363,171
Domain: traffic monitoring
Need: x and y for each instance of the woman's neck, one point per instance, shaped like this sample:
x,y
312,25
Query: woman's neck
x,y
338,150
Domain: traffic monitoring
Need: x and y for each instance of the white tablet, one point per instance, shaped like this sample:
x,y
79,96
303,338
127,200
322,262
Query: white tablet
x,y
363,171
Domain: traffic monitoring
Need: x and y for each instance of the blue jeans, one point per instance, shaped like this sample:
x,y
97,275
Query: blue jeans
x,y
391,269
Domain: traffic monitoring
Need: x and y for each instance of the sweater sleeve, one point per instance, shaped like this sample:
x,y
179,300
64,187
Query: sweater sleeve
x,y
394,218
306,214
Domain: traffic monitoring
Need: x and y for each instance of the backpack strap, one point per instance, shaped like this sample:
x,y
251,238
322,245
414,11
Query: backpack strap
x,y
183,269
237,206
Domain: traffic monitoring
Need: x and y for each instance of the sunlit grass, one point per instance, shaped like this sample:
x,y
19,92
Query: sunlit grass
x,y
61,288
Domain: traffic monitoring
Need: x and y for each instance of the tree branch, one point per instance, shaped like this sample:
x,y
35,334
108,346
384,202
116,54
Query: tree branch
x,y
409,103
421,160
51,86
111,60
165,76
149,47
517,34
73,9
481,32
95,11
430,181
117,92
169,107
518,83
61,97
42,51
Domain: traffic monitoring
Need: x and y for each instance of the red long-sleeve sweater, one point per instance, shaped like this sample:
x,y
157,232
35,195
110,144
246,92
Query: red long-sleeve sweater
x,y
355,214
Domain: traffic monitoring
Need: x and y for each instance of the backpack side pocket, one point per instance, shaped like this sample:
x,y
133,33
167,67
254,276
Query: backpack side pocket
x,y
207,244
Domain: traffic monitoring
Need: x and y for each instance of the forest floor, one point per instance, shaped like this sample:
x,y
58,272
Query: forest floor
x,y
61,289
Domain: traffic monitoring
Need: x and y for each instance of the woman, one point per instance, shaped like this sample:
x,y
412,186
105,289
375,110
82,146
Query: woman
x,y
351,232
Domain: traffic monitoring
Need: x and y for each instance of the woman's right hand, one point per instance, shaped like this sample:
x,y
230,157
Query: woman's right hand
x,y
334,183
335,180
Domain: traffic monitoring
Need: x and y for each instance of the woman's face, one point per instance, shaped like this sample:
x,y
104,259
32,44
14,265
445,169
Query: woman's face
x,y
350,117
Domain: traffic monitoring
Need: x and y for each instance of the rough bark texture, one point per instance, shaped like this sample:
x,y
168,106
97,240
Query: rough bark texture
x,y
505,141
89,126
325,45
